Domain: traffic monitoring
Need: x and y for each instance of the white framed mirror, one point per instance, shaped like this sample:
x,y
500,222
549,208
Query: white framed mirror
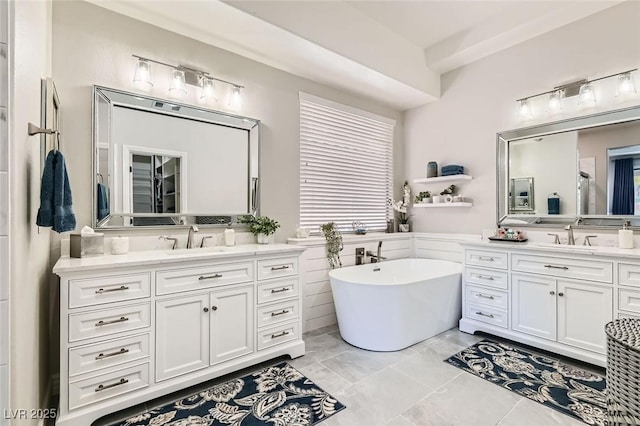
x,y
586,172
161,163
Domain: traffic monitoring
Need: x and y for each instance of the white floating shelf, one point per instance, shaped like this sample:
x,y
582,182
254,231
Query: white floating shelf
x,y
434,205
438,179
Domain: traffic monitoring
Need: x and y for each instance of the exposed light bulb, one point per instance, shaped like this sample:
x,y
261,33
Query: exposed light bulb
x,y
142,74
587,96
178,86
626,86
555,101
235,100
526,112
208,90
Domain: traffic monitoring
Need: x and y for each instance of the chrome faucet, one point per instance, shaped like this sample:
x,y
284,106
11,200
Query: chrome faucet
x,y
376,257
192,230
570,240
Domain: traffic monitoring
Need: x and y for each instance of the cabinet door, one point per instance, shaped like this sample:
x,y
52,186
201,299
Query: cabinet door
x,y
232,324
182,335
583,311
533,304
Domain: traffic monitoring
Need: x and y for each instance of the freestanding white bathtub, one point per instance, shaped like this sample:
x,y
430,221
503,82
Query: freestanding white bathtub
x,y
394,304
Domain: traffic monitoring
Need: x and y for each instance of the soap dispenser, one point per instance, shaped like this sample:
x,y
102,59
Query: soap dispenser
x,y
625,236
229,236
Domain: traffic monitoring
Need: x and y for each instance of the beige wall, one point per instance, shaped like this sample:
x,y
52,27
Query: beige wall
x,y
93,46
478,100
30,270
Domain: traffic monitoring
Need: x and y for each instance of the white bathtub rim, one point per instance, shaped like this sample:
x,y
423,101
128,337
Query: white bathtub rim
x,y
416,279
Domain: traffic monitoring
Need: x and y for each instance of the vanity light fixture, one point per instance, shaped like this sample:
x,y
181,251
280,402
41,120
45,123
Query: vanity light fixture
x,y
181,76
555,101
142,74
626,86
585,90
178,83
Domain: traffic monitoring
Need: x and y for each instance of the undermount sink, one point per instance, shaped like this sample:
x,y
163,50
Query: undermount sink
x,y
198,250
566,247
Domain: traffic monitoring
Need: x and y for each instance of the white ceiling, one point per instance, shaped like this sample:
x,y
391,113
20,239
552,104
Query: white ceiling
x,y
392,51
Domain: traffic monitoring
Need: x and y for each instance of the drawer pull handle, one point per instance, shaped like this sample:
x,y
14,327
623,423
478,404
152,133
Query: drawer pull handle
x,y
112,385
485,296
564,268
484,315
279,268
209,277
282,312
120,352
552,292
560,294
484,277
490,259
275,336
281,290
121,319
102,290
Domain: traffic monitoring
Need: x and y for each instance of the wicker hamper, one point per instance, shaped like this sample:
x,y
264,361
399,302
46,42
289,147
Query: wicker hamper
x,y
623,372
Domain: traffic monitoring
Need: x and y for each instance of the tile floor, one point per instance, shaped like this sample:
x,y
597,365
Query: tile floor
x,y
406,388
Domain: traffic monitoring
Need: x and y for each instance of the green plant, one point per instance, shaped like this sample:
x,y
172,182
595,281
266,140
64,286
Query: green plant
x,y
259,224
421,196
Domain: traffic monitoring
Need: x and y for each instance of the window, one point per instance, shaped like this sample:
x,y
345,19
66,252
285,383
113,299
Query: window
x,y
346,165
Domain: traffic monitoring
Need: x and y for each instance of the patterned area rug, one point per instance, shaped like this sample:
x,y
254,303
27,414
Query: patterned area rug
x,y
570,390
275,396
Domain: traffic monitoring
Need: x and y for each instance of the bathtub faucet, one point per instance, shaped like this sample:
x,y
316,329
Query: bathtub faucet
x,y
376,257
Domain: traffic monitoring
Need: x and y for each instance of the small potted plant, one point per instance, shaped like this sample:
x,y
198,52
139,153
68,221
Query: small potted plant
x,y
423,197
260,226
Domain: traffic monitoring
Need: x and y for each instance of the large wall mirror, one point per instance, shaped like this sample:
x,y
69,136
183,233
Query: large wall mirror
x,y
159,163
583,171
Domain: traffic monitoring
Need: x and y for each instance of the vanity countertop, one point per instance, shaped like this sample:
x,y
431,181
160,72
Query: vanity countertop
x,y
160,257
547,248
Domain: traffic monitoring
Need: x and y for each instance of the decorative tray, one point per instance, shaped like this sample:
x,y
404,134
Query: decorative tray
x,y
508,240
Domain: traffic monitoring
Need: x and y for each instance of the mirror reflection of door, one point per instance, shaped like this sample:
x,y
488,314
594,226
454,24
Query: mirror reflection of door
x,y
521,198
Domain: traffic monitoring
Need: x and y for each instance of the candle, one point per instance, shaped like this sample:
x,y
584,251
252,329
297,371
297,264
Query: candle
x,y
119,245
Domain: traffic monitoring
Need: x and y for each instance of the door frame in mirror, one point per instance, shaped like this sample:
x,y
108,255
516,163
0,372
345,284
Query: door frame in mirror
x,y
503,218
187,111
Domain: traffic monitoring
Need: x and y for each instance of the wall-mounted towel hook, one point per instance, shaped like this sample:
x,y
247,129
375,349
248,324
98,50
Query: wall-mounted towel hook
x,y
32,129
100,178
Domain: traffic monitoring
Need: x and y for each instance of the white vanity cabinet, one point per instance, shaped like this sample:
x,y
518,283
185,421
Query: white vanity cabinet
x,y
136,327
545,298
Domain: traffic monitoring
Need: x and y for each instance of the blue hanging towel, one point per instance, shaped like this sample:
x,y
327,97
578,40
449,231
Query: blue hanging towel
x,y
103,201
55,195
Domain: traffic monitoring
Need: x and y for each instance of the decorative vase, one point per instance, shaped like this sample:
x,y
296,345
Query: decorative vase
x,y
262,238
403,227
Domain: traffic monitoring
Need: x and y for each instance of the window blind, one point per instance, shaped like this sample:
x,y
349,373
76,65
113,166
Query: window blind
x,y
346,165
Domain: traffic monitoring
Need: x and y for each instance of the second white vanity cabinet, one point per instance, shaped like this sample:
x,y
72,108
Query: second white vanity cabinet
x,y
143,325
544,297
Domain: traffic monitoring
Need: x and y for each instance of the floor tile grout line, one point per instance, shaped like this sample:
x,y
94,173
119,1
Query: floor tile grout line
x,y
435,389
509,412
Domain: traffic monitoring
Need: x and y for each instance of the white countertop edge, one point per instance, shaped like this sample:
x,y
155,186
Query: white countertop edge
x,y
66,264
599,251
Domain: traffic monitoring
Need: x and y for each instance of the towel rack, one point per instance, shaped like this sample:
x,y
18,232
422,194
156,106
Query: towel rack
x,y
32,129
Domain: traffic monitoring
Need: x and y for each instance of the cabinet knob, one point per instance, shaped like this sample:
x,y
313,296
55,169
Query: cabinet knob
x,y
560,294
552,292
214,308
206,309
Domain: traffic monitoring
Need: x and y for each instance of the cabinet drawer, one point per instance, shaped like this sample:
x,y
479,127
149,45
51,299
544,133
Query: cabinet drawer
x,y
593,270
270,291
487,314
175,281
276,335
487,277
108,354
629,300
95,291
105,386
108,321
486,258
629,274
278,312
486,297
277,267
